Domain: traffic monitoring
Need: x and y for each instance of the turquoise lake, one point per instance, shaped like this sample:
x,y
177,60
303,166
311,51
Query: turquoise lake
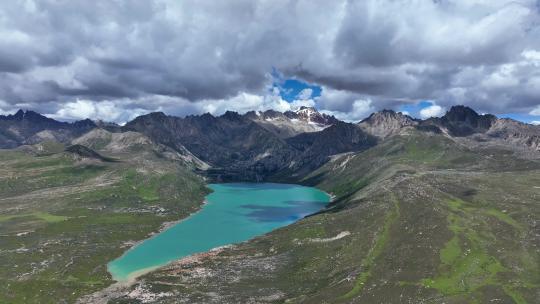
x,y
233,213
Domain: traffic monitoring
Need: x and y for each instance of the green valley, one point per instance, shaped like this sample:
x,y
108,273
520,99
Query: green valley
x,y
63,219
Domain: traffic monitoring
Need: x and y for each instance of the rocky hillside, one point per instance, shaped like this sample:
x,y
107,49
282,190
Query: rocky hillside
x,y
464,122
316,148
129,142
248,149
515,133
230,141
82,153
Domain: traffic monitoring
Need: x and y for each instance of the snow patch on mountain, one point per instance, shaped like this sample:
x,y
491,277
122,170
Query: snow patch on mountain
x,y
291,123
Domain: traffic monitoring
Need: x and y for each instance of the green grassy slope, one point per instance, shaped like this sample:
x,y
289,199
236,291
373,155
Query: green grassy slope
x,y
417,219
62,221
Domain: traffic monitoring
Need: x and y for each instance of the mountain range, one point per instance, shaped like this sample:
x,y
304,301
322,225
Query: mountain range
x,y
259,145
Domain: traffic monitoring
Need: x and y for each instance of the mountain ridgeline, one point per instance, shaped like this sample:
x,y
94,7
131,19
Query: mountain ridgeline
x,y
269,145
29,127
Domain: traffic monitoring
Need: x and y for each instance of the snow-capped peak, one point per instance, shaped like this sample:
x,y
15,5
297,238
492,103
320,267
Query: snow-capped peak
x,y
290,123
312,116
307,113
306,110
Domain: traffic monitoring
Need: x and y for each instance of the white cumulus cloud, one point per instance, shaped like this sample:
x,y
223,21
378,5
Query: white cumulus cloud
x,y
431,111
536,111
105,110
182,57
361,108
305,94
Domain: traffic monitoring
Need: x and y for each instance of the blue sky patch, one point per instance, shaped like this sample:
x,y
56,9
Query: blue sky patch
x,y
521,117
414,109
290,88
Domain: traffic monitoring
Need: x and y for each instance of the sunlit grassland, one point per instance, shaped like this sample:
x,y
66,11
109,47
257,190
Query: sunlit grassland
x,y
63,221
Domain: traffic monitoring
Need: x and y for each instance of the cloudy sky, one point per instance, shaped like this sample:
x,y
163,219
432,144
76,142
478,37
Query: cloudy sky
x,y
114,60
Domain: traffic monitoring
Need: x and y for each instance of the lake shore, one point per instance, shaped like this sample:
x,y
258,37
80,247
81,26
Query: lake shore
x,y
133,244
276,205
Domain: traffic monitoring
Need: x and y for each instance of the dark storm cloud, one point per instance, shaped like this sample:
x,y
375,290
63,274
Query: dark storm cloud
x,y
205,55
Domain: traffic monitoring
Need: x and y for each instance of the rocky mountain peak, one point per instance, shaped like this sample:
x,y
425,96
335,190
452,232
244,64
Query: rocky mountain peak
x,y
207,117
311,115
109,126
307,113
461,113
149,118
291,123
29,127
19,115
386,123
85,123
31,115
306,109
27,115
387,115
232,116
463,121
264,115
156,115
